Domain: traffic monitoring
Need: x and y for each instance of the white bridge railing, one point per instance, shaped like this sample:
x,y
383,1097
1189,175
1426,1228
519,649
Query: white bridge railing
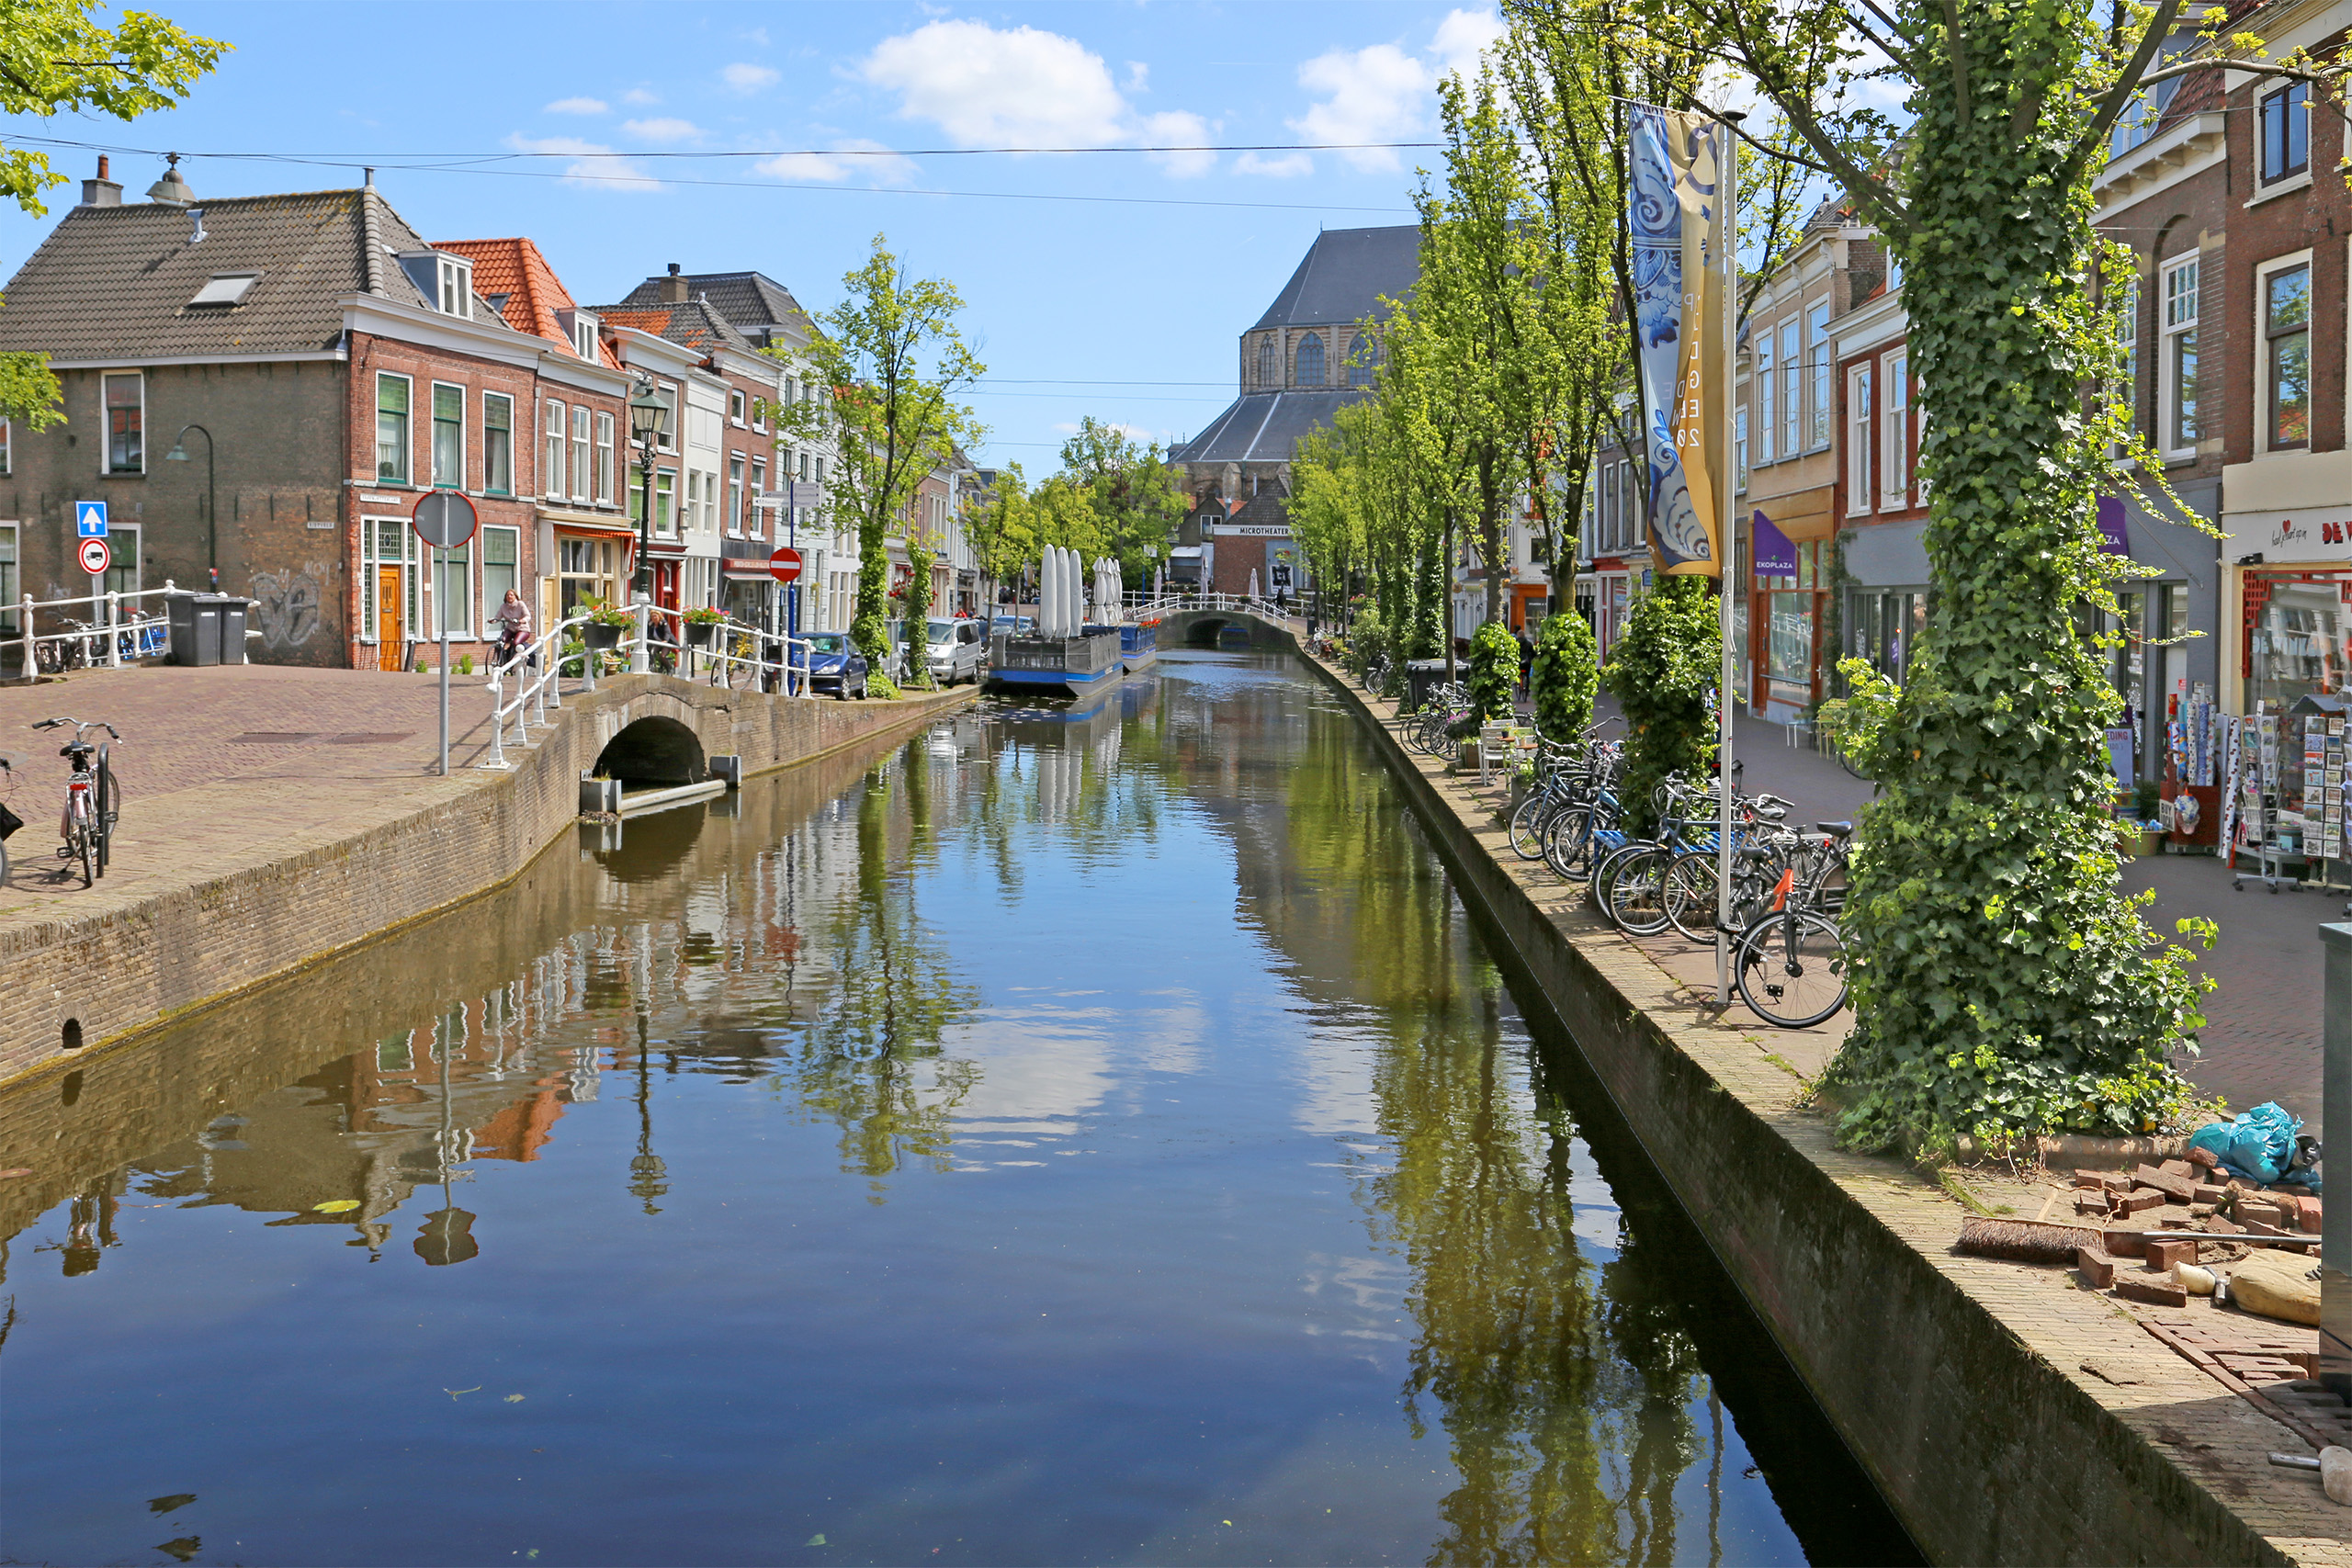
x,y
116,634
536,665
1171,600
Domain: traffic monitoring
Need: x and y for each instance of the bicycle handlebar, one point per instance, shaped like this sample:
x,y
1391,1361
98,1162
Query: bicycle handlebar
x,y
79,725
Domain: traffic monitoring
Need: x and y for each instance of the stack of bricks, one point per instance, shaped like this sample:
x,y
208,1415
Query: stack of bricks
x,y
2189,1194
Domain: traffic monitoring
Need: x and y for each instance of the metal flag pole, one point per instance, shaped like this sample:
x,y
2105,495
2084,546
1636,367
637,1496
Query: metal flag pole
x,y
1726,241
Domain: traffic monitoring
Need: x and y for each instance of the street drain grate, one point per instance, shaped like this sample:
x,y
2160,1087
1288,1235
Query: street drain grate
x,y
370,739
273,738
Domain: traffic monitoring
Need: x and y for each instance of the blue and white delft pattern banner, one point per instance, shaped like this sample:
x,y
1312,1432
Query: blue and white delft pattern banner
x,y
1677,312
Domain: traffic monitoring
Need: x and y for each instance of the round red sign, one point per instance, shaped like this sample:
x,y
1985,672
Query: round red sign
x,y
94,555
785,566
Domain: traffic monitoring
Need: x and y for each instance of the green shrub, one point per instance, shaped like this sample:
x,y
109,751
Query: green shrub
x,y
1660,673
420,664
1368,641
465,664
1494,671
1567,673
877,684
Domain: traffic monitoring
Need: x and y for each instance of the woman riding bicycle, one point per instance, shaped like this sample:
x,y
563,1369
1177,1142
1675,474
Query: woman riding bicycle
x,y
514,627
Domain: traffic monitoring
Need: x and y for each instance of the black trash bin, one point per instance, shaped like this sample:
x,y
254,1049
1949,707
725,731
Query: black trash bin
x,y
196,627
1420,676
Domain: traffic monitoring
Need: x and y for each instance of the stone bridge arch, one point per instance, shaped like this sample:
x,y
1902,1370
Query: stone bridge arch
x,y
654,749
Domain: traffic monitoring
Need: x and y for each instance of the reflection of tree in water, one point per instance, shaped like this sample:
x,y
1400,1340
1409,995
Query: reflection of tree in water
x,y
1563,1387
873,1060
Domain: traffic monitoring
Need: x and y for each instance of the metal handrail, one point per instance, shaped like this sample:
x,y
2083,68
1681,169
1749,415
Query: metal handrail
x,y
110,630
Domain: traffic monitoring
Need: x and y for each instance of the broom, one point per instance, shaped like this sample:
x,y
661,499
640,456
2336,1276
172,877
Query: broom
x,y
2025,1241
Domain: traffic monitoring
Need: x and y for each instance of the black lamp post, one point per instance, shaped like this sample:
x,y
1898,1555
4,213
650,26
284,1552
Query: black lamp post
x,y
649,417
178,454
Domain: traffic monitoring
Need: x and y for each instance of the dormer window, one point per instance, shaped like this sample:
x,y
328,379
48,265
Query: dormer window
x,y
583,334
457,287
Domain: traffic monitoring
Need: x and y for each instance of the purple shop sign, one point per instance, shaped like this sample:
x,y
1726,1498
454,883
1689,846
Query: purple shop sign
x,y
2112,539
1775,556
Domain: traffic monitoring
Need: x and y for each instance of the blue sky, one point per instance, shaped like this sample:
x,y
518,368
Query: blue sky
x,y
1143,295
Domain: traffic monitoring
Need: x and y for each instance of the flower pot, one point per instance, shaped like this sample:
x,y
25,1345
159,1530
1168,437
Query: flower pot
x,y
2151,842
600,636
699,633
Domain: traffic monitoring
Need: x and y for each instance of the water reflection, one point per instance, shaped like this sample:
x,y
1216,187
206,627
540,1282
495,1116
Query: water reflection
x,y
1066,1136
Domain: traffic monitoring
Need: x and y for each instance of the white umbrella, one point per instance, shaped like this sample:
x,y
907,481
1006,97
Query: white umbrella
x,y
1253,582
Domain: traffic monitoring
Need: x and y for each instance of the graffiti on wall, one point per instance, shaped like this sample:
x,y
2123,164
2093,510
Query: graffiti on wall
x,y
286,603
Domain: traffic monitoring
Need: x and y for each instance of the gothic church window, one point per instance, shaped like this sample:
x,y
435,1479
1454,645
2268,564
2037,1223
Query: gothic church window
x,y
1364,360
1310,360
1266,373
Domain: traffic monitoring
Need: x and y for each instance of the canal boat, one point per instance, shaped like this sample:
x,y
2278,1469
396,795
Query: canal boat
x,y
1056,665
1139,644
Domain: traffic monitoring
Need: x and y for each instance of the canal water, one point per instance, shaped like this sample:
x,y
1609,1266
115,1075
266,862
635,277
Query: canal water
x,y
1053,1140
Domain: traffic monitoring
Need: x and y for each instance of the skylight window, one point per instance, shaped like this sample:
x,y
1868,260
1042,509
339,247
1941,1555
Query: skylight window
x,y
226,289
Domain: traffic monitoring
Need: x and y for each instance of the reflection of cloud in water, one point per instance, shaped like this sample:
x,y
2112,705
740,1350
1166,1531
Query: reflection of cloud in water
x,y
1335,1074
1042,1067
1356,1298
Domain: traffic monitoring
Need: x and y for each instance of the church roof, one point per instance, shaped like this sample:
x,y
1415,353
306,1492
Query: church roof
x,y
1263,427
1345,276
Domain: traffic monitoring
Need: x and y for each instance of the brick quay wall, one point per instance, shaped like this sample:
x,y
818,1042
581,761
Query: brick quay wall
x,y
1964,1387
231,882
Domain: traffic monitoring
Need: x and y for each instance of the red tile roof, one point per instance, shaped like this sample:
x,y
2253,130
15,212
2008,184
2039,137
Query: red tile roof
x,y
534,293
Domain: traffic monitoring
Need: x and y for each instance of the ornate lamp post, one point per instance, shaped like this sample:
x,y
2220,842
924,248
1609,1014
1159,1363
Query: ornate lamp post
x,y
648,419
178,454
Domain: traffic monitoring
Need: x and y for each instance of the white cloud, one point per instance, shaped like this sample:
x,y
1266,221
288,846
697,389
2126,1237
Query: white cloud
x,y
1382,94
663,130
577,105
1178,128
875,164
641,97
757,37
1019,87
592,165
1281,166
748,78
1138,76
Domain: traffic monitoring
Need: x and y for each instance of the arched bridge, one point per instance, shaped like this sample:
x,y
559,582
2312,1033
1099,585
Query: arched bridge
x,y
1219,621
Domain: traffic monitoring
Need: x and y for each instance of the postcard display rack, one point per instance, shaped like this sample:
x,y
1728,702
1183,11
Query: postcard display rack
x,y
2284,810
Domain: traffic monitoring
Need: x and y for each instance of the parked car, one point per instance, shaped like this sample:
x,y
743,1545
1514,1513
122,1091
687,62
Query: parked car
x,y
954,651
836,666
1017,625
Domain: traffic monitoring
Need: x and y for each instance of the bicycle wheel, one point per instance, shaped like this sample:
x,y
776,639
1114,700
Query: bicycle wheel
x,y
1791,969
102,822
1567,841
1605,864
1638,893
1691,883
1527,825
82,851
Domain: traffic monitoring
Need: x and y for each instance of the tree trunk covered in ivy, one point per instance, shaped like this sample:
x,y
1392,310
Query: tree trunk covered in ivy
x,y
1428,597
2004,981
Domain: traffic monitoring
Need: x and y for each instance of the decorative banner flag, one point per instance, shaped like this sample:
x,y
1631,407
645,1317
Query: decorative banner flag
x,y
1679,319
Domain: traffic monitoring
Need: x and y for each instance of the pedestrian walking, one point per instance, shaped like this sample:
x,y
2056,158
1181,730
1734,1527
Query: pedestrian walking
x,y
1526,660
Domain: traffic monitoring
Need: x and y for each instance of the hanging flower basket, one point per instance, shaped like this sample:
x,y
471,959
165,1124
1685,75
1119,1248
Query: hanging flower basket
x,y
600,635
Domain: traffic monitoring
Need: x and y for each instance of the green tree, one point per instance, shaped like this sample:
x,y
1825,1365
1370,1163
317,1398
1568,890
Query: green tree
x,y
55,59
1565,676
895,360
914,613
2004,983
1133,495
1662,671
1494,671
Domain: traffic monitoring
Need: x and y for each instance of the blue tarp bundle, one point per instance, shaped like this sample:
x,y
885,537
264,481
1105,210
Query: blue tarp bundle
x,y
2259,1147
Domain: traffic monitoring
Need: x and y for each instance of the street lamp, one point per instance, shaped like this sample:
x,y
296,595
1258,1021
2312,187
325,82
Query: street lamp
x,y
178,454
649,417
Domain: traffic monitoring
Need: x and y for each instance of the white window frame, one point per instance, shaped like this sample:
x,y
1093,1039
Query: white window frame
x,y
482,575
736,407
1768,406
1818,371
372,529
1860,417
583,335
1739,449
488,399
2179,309
2127,335
604,458
583,485
433,445
1894,428
554,427
408,431
2263,270
1791,387
755,522
106,418
440,570
456,291
735,495
669,391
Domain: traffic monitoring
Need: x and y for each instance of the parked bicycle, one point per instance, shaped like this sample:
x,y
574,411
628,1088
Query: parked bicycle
x,y
86,824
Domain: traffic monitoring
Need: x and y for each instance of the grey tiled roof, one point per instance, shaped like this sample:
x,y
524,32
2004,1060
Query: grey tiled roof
x,y
1345,276
696,324
749,301
114,282
1263,427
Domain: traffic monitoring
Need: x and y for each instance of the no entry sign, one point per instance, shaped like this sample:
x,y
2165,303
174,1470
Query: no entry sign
x,y
785,565
94,555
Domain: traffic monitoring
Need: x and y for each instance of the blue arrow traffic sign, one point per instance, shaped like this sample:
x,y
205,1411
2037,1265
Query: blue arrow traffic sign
x,y
89,519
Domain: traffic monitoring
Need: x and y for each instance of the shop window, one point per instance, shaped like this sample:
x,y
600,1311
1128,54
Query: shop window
x,y
2287,334
497,444
392,428
449,437
2286,132
2177,395
2298,633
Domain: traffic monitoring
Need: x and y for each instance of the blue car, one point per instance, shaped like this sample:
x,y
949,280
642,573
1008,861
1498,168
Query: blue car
x,y
835,666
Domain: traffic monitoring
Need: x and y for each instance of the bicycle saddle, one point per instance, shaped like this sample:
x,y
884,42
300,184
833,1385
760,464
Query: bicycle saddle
x,y
1835,830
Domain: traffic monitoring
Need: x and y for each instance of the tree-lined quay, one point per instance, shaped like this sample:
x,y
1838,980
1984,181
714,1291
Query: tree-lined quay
x,y
1951,394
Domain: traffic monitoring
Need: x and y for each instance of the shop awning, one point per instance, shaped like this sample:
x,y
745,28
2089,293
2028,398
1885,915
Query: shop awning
x,y
747,571
569,521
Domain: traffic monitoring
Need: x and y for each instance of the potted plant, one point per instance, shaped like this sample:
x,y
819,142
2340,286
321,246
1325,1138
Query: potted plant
x,y
702,624
606,624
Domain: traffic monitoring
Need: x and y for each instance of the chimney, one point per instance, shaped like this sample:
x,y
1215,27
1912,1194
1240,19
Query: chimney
x,y
196,234
101,191
171,189
673,288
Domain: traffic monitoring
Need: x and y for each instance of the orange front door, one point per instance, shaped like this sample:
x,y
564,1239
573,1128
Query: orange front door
x,y
388,618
